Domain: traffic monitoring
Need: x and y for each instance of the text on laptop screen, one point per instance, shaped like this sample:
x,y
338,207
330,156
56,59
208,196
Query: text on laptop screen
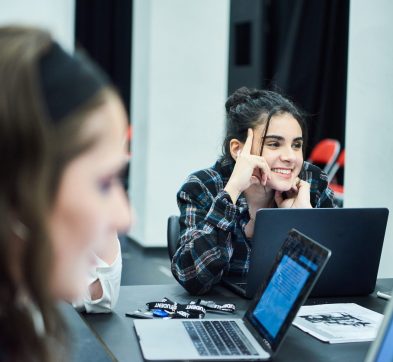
x,y
298,263
280,294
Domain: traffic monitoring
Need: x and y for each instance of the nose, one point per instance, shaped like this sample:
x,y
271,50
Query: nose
x,y
288,154
120,211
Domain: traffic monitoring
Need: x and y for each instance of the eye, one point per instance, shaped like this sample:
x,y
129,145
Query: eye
x,y
105,185
297,145
273,144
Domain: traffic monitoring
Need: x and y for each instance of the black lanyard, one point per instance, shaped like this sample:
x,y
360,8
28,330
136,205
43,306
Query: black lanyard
x,y
189,310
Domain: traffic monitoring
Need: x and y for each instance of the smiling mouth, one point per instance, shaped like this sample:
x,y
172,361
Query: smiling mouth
x,y
283,171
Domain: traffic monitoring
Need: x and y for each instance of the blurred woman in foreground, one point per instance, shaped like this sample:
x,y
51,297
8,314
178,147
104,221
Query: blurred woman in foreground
x,y
62,137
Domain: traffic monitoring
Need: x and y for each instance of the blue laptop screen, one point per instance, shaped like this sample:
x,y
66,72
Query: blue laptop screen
x,y
281,293
386,349
297,266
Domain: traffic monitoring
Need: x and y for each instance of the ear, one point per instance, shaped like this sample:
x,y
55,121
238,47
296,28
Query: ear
x,y
235,146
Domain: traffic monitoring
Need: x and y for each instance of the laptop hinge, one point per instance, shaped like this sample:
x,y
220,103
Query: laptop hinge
x,y
255,333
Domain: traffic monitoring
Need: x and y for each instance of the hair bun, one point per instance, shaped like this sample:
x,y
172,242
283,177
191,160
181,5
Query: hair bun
x,y
241,96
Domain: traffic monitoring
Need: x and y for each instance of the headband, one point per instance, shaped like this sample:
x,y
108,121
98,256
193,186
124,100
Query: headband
x,y
68,81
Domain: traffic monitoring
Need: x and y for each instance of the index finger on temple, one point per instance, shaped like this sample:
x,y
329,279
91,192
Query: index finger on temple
x,y
248,143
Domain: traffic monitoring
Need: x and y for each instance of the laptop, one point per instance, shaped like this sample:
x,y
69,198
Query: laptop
x,y
381,349
260,332
354,235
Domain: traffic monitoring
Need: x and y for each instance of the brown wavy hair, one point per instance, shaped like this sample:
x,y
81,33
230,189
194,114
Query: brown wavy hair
x,y
248,108
33,155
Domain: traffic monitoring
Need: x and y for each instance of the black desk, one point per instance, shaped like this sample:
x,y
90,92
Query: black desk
x,y
116,331
84,345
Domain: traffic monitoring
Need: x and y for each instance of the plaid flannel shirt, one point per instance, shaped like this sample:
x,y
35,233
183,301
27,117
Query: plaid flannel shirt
x,y
212,238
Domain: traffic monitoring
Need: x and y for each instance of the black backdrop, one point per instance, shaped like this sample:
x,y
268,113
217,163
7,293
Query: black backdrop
x,y
298,47
103,28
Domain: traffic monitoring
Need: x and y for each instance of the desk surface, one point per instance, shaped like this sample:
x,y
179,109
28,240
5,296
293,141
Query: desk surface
x,y
84,344
117,334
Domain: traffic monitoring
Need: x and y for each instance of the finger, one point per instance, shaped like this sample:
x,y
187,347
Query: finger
x,y
278,198
263,166
247,146
264,179
295,186
254,180
304,186
304,191
265,176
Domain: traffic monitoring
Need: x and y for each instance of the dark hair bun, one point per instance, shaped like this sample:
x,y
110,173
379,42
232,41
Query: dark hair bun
x,y
241,96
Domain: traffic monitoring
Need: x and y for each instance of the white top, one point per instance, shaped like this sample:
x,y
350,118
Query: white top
x,y
109,277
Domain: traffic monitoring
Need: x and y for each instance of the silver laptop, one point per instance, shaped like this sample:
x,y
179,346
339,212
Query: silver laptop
x,y
381,349
354,235
260,332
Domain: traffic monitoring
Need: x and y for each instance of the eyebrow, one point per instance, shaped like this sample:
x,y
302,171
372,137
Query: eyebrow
x,y
280,138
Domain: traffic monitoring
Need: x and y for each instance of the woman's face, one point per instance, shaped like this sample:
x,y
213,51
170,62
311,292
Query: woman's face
x,y
91,204
282,150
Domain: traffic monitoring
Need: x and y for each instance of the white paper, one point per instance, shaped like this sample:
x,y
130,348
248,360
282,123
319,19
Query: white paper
x,y
339,322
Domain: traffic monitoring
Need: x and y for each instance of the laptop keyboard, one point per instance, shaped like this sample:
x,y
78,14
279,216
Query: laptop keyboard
x,y
219,338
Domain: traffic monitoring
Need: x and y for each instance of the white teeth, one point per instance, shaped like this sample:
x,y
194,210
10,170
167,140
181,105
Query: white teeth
x,y
280,170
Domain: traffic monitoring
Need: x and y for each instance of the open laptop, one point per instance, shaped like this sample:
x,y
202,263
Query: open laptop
x,y
354,235
381,349
260,332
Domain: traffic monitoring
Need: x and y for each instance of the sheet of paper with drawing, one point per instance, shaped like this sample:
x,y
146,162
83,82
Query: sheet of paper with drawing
x,y
339,322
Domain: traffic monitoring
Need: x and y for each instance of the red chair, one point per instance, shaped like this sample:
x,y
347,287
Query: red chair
x,y
336,187
325,153
337,165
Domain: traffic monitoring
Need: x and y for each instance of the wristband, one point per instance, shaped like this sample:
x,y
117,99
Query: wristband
x,y
193,309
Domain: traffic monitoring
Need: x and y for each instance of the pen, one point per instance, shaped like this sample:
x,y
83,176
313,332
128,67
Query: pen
x,y
140,314
383,295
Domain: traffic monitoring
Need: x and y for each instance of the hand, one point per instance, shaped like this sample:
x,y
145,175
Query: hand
x,y
297,197
242,175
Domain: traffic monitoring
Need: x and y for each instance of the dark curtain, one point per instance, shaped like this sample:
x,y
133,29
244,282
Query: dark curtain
x,y
306,47
299,48
103,29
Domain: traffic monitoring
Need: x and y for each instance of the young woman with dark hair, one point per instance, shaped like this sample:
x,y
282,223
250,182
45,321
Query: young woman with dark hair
x,y
62,137
262,167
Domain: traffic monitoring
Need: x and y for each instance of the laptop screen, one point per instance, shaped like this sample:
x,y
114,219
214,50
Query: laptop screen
x,y
280,294
356,232
385,352
296,267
